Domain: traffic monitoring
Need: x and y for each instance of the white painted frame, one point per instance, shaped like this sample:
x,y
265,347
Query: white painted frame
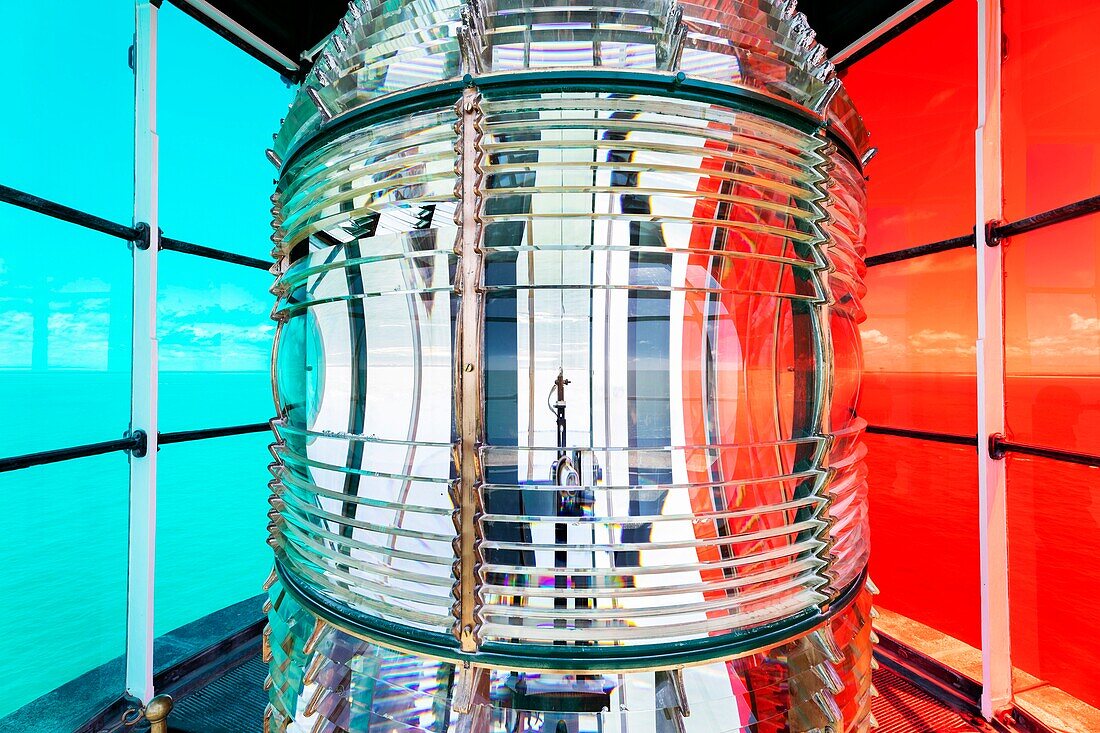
x,y
990,347
992,490
141,547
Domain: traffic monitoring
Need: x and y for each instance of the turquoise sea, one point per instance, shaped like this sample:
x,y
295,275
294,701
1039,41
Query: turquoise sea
x,y
63,543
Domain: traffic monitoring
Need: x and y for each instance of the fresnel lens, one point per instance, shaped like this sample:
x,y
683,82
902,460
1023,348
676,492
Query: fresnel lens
x,y
567,370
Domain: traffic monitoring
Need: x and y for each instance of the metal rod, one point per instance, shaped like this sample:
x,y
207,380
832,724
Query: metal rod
x,y
921,250
884,31
15,463
468,396
137,442
999,446
141,546
990,363
1047,218
177,245
237,33
186,436
971,440
66,213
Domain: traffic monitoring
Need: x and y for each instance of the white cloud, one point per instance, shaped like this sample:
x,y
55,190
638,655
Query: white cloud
x,y
181,301
874,337
942,343
1080,323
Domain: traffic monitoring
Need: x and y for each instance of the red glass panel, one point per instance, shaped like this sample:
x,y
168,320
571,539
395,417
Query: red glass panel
x,y
919,344
924,532
918,96
1054,540
1051,112
1052,336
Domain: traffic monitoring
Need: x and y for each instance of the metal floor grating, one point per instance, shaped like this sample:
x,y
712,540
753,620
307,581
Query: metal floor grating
x,y
234,703
902,707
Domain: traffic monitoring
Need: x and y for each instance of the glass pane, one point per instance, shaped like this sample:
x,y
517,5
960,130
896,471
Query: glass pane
x,y
924,520
1052,336
1050,113
64,335
218,108
67,134
919,344
64,583
918,97
1054,540
211,536
215,343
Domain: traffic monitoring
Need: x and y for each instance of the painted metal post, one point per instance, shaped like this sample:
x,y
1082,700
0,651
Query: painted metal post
x,y
992,493
143,415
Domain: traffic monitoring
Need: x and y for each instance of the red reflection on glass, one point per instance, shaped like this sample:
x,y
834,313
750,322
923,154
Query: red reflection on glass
x,y
1054,540
918,96
919,344
1050,111
924,530
1052,336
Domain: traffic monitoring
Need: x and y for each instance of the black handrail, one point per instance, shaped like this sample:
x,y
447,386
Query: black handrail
x,y
921,250
128,443
66,213
177,245
999,446
1061,214
135,443
971,440
185,436
139,234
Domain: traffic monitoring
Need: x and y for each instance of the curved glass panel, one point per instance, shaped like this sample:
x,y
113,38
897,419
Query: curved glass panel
x,y
338,682
381,48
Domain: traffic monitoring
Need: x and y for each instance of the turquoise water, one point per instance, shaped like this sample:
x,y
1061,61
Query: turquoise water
x,y
63,546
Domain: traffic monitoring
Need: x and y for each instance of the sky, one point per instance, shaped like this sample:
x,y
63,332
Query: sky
x,y
68,136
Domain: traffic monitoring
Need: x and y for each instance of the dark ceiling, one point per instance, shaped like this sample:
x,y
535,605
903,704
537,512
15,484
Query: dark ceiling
x,y
294,26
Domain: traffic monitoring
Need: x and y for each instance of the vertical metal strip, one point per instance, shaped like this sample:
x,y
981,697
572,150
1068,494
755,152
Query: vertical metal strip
x,y
992,493
143,374
468,401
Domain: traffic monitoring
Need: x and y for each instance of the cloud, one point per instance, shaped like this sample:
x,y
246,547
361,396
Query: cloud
x,y
874,337
85,285
181,302
1080,323
942,343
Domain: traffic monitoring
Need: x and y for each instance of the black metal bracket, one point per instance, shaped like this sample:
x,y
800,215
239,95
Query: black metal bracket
x,y
993,237
139,443
996,446
143,238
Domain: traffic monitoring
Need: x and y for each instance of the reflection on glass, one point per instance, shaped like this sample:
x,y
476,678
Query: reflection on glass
x,y
667,297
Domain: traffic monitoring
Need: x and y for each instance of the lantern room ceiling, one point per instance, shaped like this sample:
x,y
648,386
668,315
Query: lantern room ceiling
x,y
292,27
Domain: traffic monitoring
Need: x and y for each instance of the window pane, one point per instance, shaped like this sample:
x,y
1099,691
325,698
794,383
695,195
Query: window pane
x,y
919,344
67,131
65,317
918,96
1050,112
1054,540
924,525
1052,336
215,343
64,584
211,526
218,108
